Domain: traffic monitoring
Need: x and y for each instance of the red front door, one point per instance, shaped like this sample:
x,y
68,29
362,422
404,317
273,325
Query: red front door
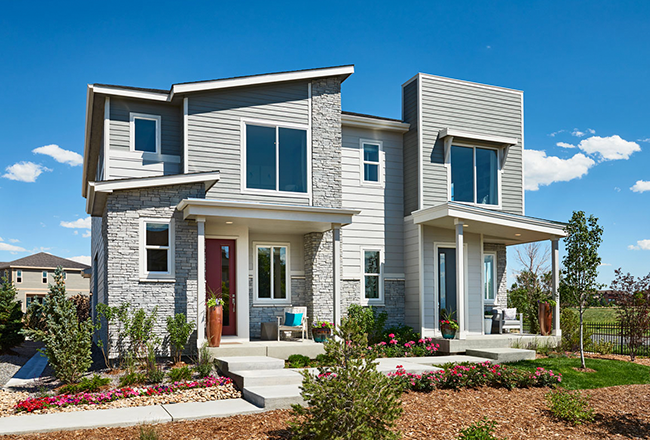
x,y
221,279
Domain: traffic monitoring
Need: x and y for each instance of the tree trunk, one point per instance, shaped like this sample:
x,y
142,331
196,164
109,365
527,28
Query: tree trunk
x,y
582,344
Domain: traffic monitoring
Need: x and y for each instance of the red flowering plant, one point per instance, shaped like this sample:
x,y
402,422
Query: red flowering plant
x,y
393,347
447,319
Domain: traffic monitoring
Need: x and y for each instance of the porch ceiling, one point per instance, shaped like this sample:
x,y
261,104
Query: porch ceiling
x,y
496,226
265,217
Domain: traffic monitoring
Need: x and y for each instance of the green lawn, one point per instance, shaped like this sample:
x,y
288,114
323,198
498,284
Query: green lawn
x,y
608,372
600,314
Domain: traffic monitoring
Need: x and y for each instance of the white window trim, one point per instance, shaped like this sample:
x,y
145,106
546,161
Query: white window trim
x,y
132,118
44,277
271,301
19,276
153,276
500,151
276,125
487,301
362,162
372,301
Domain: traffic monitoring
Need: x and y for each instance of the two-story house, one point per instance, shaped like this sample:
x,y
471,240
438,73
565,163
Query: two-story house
x,y
261,189
33,275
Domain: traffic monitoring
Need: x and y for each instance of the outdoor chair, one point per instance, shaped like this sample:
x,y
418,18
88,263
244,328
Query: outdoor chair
x,y
282,321
508,320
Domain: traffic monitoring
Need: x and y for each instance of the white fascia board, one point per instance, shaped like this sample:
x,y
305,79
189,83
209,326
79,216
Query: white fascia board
x,y
148,182
265,211
129,93
452,132
261,79
373,123
90,98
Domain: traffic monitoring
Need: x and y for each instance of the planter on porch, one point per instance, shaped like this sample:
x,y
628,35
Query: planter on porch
x,y
215,318
545,316
321,331
448,332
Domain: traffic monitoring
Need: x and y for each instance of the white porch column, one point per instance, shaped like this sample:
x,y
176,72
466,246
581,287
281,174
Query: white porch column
x,y
200,281
555,274
336,272
460,278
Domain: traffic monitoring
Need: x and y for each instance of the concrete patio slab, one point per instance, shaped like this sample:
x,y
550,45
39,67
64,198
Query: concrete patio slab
x,y
246,363
274,397
503,355
252,378
216,408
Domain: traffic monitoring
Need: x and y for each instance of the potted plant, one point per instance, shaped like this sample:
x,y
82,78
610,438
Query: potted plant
x,y
487,322
545,316
321,330
448,324
215,318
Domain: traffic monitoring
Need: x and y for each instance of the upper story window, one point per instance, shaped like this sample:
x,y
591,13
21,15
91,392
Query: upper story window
x,y
372,276
157,249
44,276
276,158
475,175
145,133
489,277
371,161
19,276
272,274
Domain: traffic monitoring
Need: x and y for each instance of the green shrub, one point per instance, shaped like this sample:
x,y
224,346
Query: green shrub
x,y
480,430
148,433
298,361
67,340
570,325
351,399
602,347
402,333
34,318
179,331
133,378
323,360
11,316
139,329
86,385
155,374
203,364
571,406
180,373
369,321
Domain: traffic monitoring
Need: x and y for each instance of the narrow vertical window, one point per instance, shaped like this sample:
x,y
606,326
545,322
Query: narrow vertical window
x,y
489,278
44,275
372,275
19,276
371,164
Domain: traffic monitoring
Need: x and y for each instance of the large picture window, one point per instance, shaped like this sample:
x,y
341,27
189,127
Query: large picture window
x,y
489,277
276,158
157,249
272,273
372,276
475,175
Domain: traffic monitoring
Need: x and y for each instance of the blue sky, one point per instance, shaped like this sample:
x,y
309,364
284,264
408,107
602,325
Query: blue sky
x,y
584,68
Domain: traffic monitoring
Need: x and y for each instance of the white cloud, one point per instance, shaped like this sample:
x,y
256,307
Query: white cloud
x,y
617,189
14,240
555,133
1,239
24,171
60,155
83,259
86,234
80,223
565,145
10,247
641,186
643,140
577,133
591,131
604,264
607,148
543,170
640,245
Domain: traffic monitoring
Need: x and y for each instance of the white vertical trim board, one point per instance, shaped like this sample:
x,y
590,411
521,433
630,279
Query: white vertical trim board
x,y
186,137
421,277
523,176
310,183
200,299
420,147
107,135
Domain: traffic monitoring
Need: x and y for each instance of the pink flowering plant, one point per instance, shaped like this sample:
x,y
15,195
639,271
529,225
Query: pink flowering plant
x,y
468,375
62,400
394,347
323,324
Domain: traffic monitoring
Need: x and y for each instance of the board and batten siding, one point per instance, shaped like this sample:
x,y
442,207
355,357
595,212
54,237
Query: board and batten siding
x,y
410,150
380,222
124,163
215,129
475,108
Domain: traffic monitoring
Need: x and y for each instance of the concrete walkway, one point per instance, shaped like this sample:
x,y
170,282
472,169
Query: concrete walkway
x,y
137,415
28,373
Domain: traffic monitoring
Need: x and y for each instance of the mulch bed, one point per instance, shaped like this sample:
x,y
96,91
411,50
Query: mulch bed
x,y
621,413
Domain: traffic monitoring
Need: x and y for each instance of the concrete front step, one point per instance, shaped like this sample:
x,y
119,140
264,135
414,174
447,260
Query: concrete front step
x,y
503,355
247,363
274,397
256,378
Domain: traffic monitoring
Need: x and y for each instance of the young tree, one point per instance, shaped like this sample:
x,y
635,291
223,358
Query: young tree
x,y
581,263
11,316
67,340
632,296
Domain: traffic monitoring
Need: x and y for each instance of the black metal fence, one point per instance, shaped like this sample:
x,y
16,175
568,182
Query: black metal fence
x,y
614,333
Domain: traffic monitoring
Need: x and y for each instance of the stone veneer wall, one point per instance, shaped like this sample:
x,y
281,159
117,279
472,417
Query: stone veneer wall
x,y
502,279
319,280
122,225
394,291
259,314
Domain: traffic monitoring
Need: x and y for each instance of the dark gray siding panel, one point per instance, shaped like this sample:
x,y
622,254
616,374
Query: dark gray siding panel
x,y
411,178
474,108
214,128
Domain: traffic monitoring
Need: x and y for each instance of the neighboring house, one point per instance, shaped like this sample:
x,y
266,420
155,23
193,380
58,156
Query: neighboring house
x,y
32,276
261,189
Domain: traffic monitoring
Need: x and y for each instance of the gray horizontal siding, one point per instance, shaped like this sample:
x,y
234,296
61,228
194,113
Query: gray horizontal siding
x,y
410,155
214,131
380,223
473,108
411,273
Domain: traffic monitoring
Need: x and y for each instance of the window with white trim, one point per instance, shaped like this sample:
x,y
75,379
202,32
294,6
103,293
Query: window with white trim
x,y
276,158
157,248
44,276
474,175
145,133
371,161
489,277
372,275
19,276
272,280
29,299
